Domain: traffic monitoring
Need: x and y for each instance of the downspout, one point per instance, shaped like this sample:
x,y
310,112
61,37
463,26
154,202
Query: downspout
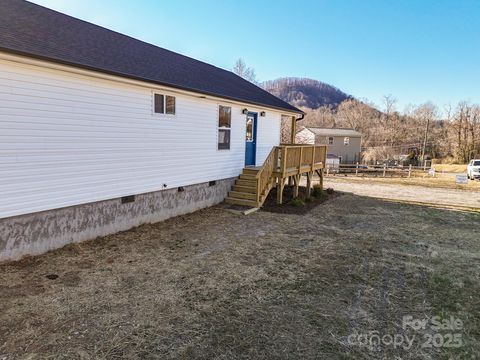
x,y
301,117
294,127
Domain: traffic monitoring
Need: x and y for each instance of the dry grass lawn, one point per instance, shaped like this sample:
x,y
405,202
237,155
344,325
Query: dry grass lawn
x,y
213,285
454,168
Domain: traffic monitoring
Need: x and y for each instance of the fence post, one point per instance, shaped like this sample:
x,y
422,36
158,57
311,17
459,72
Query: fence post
x,y
410,170
384,170
356,170
424,165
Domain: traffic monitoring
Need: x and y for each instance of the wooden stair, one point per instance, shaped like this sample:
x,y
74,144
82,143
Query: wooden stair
x,y
244,192
283,162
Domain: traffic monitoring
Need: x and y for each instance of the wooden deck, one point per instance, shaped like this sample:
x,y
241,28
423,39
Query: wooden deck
x,y
287,162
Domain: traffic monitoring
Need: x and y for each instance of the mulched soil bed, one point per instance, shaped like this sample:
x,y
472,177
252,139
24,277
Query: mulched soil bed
x,y
294,207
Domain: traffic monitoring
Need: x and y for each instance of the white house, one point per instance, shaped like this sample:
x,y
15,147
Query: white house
x,y
100,132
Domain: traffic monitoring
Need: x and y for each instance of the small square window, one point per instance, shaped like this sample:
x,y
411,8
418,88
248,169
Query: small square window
x,y
330,140
164,104
346,141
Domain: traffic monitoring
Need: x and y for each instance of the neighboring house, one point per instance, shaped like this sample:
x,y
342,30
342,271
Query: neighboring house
x,y
346,144
101,132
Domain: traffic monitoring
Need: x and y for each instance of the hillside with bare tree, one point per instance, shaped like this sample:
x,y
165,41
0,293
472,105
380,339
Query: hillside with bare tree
x,y
419,132
306,93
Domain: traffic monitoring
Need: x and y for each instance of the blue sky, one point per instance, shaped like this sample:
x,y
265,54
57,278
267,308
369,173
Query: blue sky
x,y
416,50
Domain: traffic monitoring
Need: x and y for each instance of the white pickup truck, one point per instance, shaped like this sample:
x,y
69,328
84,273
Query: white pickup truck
x,y
473,169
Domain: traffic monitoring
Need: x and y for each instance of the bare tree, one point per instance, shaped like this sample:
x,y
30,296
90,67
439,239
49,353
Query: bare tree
x,y
286,129
425,114
389,134
389,104
241,69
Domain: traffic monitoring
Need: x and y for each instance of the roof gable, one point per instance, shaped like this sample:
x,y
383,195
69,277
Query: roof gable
x,y
32,30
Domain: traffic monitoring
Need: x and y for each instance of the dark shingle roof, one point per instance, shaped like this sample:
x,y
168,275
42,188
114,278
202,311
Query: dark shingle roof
x,y
33,30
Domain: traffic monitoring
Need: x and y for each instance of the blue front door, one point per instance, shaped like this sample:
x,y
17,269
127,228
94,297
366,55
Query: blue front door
x,y
251,139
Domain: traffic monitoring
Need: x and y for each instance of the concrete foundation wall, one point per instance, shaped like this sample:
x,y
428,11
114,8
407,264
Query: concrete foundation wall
x,y
37,233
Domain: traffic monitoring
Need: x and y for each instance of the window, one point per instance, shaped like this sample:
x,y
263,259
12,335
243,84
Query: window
x,y
249,135
164,104
330,140
224,127
346,141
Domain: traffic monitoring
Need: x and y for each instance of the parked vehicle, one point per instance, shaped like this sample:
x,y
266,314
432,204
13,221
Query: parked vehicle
x,y
473,169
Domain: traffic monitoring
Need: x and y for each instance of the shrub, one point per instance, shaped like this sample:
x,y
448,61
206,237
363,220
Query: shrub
x,y
297,202
317,191
329,191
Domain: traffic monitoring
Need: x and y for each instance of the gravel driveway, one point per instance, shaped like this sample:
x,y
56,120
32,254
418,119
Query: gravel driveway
x,y
410,193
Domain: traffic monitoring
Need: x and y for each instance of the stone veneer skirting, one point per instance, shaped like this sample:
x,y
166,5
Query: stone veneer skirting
x,y
37,233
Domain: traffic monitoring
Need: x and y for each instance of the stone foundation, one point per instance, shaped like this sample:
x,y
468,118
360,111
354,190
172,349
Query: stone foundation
x,y
37,233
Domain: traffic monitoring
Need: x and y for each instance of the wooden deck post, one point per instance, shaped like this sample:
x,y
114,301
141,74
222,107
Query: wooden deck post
x,y
320,174
309,183
296,180
294,130
280,185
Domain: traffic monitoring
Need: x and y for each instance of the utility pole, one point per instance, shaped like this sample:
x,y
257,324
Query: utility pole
x,y
425,138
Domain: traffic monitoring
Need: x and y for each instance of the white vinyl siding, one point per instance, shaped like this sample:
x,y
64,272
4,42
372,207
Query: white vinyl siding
x,y
69,139
268,135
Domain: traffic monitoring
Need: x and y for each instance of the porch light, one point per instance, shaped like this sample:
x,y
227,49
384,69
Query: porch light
x,y
262,114
245,111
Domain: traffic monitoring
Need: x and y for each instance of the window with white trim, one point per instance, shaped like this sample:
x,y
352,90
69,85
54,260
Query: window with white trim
x,y
163,104
346,141
330,140
224,127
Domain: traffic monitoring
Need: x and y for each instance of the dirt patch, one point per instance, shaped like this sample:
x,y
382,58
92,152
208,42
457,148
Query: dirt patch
x,y
20,290
299,205
234,207
213,285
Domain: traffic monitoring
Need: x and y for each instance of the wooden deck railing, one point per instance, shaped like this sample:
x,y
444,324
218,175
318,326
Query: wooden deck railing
x,y
289,161
297,158
264,177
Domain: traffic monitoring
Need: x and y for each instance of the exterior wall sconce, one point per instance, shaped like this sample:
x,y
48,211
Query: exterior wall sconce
x,y
262,114
245,111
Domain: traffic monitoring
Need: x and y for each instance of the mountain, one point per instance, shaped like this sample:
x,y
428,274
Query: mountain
x,y
306,93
